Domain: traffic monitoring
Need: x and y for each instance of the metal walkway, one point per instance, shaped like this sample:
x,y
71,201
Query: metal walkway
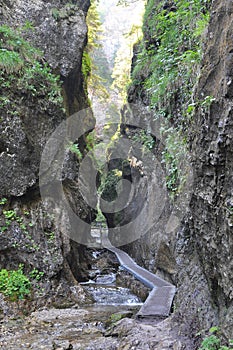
x,y
159,301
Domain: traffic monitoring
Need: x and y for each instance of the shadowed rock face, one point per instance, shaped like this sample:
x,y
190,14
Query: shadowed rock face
x,y
35,238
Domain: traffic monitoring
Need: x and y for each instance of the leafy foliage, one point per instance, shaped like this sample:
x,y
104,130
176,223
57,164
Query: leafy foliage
x,y
92,80
11,218
100,218
213,341
108,188
86,65
173,156
145,139
14,284
175,51
38,79
12,41
166,71
74,148
3,201
36,274
10,61
121,74
23,70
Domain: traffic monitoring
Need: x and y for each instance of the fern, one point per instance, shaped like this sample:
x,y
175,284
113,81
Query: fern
x,y
10,61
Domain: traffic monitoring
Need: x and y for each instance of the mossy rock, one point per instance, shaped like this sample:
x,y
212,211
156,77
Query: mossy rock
x,y
114,318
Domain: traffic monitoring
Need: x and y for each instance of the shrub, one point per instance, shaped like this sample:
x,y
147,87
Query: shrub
x,y
74,148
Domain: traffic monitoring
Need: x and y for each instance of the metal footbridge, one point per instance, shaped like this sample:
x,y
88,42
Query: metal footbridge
x,y
159,301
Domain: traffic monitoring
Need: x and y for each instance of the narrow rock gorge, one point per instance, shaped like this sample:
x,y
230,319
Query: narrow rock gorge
x,y
169,162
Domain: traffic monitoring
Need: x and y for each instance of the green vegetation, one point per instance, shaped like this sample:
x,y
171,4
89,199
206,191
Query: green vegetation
x,y
23,72
64,12
9,214
74,148
55,14
3,201
10,61
50,236
108,188
173,156
100,217
166,72
213,341
145,139
117,317
92,80
86,65
90,140
174,52
122,64
35,274
9,218
94,26
14,284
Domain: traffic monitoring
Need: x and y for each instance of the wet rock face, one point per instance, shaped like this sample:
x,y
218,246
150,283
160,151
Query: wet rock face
x,y
72,328
23,138
77,329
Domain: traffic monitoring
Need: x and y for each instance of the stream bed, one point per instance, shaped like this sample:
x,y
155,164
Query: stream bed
x,y
76,327
102,285
94,326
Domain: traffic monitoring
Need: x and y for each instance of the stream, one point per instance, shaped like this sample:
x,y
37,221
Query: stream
x,y
103,287
76,327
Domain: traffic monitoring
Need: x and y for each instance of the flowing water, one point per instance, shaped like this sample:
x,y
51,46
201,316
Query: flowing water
x,y
75,327
103,286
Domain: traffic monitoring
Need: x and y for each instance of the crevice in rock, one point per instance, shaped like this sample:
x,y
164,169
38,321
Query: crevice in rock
x,y
79,261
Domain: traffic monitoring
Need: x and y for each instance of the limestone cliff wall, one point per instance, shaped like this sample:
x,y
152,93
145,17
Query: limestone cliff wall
x,y
211,148
59,29
197,255
30,115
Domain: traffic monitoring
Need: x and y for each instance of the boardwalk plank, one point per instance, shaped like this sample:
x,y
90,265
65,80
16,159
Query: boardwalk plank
x,y
159,301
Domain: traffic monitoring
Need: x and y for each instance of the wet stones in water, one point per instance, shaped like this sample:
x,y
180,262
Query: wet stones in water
x,y
110,295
